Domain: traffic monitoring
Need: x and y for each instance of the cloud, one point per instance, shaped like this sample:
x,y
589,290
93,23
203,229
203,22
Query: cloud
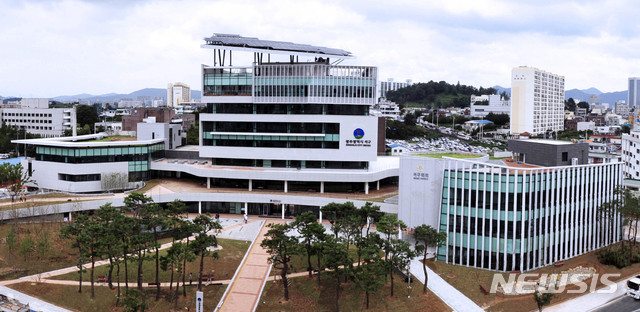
x,y
67,47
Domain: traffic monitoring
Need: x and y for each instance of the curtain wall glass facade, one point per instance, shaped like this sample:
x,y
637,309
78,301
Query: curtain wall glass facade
x,y
520,219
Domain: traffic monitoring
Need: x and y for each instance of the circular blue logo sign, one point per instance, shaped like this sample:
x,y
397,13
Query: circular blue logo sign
x,y
358,133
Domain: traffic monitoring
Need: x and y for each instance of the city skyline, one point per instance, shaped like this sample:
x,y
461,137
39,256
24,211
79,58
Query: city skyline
x,y
95,47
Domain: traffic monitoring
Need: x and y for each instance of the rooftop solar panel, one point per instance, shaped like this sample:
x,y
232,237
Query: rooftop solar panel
x,y
233,40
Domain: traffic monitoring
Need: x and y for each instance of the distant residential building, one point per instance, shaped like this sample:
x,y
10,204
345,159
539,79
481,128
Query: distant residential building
x,y
537,101
572,124
593,99
161,115
581,111
35,116
633,96
631,155
482,105
130,103
157,103
178,93
622,109
385,108
586,125
390,85
598,120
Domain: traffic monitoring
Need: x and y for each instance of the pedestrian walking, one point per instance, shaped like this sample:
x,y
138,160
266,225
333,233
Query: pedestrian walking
x,y
245,219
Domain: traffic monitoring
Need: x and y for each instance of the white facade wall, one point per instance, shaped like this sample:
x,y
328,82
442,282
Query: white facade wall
x,y
151,131
481,206
420,189
631,155
47,122
537,101
497,105
49,178
344,153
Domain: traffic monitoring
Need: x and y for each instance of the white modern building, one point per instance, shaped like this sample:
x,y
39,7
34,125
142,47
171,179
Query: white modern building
x,y
178,93
390,85
537,101
622,109
507,217
385,108
292,124
35,116
482,105
633,95
631,155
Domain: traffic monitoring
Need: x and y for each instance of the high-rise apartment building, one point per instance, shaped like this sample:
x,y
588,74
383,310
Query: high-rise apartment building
x,y
537,101
633,96
390,85
178,93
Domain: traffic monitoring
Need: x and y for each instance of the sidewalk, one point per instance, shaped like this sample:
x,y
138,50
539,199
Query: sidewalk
x,y
246,287
451,296
590,301
34,303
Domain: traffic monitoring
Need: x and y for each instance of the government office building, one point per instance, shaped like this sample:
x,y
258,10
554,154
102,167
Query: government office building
x,y
291,121
508,215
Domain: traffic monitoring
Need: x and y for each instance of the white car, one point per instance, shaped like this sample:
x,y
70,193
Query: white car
x,y
633,287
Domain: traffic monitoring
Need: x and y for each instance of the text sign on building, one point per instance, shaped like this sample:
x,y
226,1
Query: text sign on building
x,y
358,134
199,299
419,174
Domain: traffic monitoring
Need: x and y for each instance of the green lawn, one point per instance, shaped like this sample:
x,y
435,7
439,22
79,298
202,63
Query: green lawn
x,y
231,254
68,297
306,295
58,255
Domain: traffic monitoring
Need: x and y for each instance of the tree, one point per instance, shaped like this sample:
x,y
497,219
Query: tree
x,y
17,178
369,276
310,231
401,255
108,216
498,119
26,246
570,105
193,136
133,303
389,225
203,241
78,235
12,240
426,236
584,105
281,247
179,253
371,213
86,115
335,256
542,299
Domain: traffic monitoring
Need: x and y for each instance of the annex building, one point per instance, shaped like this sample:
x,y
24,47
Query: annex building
x,y
506,215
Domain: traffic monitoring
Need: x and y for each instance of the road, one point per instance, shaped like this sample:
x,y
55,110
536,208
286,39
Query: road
x,y
622,304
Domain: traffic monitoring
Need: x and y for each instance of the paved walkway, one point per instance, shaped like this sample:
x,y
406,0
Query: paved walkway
x,y
34,303
451,296
245,290
591,301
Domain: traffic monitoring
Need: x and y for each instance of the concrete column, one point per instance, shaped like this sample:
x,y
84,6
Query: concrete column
x,y
366,187
208,182
246,208
286,186
378,185
321,186
282,211
178,174
321,216
250,185
399,233
199,207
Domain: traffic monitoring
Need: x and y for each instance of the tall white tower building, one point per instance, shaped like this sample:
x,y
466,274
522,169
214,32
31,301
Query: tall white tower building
x,y
537,101
178,93
633,97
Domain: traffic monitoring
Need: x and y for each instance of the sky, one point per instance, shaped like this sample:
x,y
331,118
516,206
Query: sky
x,y
52,48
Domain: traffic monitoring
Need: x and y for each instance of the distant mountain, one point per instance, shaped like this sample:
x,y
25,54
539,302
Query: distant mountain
x,y
583,95
146,92
592,91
